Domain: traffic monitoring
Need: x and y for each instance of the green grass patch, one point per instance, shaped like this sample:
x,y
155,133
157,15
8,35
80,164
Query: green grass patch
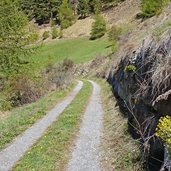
x,y
79,50
51,152
19,119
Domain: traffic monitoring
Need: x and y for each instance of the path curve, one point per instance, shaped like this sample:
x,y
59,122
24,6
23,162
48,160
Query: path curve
x,y
85,156
14,152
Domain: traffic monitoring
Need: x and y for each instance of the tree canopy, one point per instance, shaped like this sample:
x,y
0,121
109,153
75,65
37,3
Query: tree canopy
x,y
13,37
41,10
83,8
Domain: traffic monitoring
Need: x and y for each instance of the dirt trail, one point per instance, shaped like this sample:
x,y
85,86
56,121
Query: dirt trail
x,y
85,156
14,152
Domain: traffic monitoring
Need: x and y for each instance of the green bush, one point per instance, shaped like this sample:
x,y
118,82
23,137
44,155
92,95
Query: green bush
x,y
45,35
98,28
130,68
55,33
150,8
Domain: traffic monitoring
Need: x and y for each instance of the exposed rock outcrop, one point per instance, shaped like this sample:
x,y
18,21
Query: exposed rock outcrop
x,y
142,85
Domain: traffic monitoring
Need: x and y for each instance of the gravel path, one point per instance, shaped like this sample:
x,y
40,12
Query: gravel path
x,y
85,156
15,151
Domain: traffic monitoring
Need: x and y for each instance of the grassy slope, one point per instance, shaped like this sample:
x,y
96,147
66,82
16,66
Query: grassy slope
x,y
79,50
21,118
52,151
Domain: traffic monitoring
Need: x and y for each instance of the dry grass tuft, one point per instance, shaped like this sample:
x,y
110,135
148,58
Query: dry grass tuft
x,y
119,151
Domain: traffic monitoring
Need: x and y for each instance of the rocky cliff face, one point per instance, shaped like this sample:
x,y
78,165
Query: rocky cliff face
x,y
141,83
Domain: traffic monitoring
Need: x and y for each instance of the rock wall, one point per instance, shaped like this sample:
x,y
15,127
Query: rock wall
x,y
141,84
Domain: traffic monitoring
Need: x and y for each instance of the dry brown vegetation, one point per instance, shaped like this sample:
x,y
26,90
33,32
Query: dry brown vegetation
x,y
119,151
24,89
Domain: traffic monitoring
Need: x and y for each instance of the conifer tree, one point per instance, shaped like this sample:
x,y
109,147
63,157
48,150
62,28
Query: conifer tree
x,y
98,27
95,6
13,37
83,8
41,10
66,15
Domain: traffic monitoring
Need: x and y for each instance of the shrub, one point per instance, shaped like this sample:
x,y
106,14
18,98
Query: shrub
x,y
130,68
59,76
98,27
55,33
151,7
23,91
163,130
67,64
114,33
45,35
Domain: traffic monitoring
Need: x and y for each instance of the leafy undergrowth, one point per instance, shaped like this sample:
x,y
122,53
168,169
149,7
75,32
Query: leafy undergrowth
x,y
78,49
19,119
51,152
119,151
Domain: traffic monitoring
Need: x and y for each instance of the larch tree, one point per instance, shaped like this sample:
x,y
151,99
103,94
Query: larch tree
x,y
14,38
66,15
98,27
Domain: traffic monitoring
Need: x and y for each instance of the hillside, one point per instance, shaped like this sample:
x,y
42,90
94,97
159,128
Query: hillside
x,y
140,79
116,53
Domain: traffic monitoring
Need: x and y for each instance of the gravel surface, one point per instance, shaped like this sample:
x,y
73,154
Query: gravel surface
x,y
15,150
85,156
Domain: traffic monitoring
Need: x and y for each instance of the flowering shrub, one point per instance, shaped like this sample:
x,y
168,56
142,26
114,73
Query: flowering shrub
x,y
130,68
163,129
